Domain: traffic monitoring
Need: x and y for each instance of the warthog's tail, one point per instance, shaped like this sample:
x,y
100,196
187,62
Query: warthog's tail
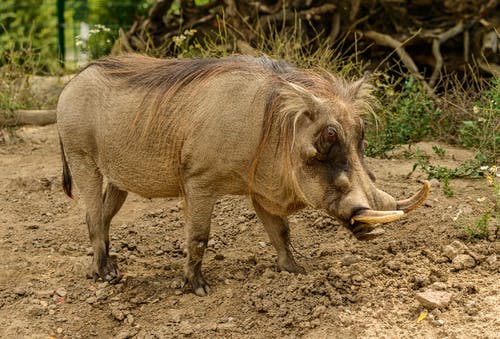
x,y
67,181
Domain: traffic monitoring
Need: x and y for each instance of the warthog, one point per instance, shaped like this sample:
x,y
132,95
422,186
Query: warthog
x,y
289,138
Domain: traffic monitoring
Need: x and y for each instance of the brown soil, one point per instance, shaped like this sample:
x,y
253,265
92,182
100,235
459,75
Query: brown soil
x,y
352,289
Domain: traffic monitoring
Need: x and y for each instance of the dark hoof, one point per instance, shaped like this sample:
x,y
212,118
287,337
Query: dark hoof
x,y
106,272
288,264
198,284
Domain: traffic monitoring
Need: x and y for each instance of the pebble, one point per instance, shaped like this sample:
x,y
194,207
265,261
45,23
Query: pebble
x,y
434,182
318,311
454,249
36,310
61,292
434,299
463,261
492,259
438,286
262,244
348,260
439,322
126,333
91,300
118,314
43,293
130,319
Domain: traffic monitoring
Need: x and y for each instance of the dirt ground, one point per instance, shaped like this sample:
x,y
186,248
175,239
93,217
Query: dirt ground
x,y
353,289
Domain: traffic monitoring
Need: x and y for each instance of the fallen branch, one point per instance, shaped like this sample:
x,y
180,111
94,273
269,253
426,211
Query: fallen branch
x,y
436,49
30,117
388,41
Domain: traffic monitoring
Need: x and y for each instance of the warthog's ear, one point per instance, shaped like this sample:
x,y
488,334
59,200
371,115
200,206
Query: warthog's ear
x,y
297,99
361,88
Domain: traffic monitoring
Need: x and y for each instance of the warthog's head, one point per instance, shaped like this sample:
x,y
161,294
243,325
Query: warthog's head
x,y
326,155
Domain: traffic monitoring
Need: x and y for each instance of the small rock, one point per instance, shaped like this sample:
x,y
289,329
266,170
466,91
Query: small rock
x,y
262,244
454,249
43,293
434,182
185,328
36,310
434,299
130,319
318,311
118,314
348,260
19,291
61,292
438,286
439,322
91,300
463,261
59,330
126,333
394,265
492,259
175,315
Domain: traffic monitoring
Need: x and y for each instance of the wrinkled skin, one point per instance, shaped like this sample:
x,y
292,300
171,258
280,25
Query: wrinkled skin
x,y
204,128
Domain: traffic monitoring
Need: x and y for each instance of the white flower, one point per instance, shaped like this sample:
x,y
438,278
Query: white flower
x,y
483,168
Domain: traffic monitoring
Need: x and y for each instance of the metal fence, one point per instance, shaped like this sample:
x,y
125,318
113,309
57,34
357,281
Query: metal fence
x,y
72,22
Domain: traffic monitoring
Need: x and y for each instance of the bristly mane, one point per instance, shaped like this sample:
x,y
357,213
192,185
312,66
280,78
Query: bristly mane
x,y
162,79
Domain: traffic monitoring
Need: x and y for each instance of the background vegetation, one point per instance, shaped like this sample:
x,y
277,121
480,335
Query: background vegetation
x,y
463,109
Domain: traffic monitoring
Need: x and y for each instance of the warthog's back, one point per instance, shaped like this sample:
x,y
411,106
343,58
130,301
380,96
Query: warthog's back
x,y
149,123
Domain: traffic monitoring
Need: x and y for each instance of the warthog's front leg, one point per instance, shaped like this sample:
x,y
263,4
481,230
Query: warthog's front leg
x,y
279,233
198,214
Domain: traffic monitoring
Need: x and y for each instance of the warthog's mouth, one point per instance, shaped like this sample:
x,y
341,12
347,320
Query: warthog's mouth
x,y
364,222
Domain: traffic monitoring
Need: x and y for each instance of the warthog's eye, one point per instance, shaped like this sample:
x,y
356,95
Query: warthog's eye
x,y
327,138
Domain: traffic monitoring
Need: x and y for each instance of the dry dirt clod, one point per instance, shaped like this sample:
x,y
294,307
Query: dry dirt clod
x,y
454,249
126,333
350,259
434,299
463,261
118,314
492,259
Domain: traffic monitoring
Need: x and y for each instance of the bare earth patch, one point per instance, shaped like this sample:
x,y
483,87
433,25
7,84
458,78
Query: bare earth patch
x,y
352,289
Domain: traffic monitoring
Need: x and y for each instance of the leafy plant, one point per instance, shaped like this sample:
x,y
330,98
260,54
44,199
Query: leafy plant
x,y
480,228
26,26
482,133
98,43
404,117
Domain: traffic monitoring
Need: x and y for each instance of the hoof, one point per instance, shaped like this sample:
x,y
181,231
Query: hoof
x,y
106,272
292,267
198,284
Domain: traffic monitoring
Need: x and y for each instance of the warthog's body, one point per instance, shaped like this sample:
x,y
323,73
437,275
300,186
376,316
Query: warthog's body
x,y
204,128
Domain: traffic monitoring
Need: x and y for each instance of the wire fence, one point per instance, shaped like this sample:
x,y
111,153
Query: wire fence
x,y
68,25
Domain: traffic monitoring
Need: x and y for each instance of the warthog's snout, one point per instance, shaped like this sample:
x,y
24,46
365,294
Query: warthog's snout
x,y
364,220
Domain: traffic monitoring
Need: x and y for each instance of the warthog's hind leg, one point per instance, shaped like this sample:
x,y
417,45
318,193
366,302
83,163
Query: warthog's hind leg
x,y
198,211
89,180
279,233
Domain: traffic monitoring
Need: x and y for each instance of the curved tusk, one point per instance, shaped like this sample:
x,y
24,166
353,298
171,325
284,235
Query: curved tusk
x,y
376,217
415,201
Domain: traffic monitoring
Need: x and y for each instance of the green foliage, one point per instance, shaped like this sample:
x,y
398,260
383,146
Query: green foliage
x,y
25,26
478,229
99,42
439,151
404,117
483,133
